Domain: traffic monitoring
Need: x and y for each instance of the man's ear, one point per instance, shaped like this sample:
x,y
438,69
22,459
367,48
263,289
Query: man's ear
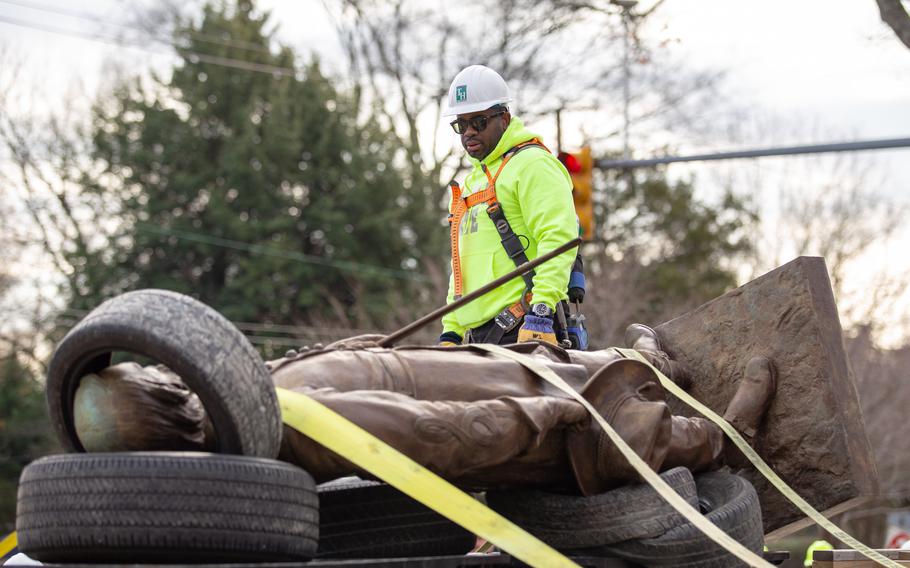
x,y
507,117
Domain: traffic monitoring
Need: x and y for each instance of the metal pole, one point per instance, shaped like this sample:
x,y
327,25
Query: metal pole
x,y
559,130
625,84
783,151
407,330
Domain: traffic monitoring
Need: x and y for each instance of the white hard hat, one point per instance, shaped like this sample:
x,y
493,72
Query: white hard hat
x,y
476,88
21,559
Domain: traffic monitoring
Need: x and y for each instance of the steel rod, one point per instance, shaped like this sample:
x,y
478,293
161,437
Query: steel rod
x,y
759,153
407,330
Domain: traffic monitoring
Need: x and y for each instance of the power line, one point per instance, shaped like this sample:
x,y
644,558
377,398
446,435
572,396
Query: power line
x,y
243,325
312,336
296,340
67,318
256,249
225,62
192,56
262,250
280,253
94,18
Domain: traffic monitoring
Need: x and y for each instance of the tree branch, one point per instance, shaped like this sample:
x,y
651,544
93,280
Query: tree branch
x,y
895,16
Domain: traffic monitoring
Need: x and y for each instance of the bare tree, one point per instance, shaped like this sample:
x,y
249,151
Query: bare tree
x,y
881,382
894,14
839,216
838,206
845,217
47,214
558,54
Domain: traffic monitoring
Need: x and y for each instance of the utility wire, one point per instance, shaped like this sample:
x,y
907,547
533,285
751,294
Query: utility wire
x,y
193,56
225,62
67,318
247,66
241,325
313,334
94,18
280,253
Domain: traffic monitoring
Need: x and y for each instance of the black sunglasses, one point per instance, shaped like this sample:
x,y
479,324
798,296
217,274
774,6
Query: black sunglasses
x,y
478,123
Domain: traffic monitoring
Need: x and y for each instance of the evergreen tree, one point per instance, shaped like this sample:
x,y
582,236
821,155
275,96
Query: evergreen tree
x,y
25,432
686,246
257,191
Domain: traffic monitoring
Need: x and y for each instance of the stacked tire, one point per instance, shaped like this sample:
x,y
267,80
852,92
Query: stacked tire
x,y
166,507
369,519
634,523
729,502
237,504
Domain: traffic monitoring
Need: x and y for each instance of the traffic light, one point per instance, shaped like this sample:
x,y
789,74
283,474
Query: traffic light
x,y
581,168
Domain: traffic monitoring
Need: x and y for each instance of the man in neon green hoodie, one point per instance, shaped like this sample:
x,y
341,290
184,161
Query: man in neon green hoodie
x,y
516,184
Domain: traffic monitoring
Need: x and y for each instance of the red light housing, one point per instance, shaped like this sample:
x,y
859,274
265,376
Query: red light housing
x,y
570,162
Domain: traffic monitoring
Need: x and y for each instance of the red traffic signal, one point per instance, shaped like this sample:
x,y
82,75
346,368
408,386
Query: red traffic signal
x,y
581,168
570,162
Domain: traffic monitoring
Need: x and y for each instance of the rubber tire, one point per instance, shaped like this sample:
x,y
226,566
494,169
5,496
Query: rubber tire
x,y
368,519
728,501
569,522
166,507
213,358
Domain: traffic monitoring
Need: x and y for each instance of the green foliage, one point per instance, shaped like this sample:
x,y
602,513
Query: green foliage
x,y
25,432
686,246
260,193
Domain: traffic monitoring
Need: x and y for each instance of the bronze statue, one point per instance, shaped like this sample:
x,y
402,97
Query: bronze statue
x,y
480,421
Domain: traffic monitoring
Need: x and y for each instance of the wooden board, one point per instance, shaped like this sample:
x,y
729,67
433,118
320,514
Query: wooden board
x,y
813,435
853,559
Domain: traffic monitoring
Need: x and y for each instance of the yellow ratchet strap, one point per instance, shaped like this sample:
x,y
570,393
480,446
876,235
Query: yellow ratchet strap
x,y
649,475
358,446
761,466
8,544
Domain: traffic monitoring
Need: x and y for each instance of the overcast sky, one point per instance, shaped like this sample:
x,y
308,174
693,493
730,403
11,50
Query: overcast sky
x,y
830,65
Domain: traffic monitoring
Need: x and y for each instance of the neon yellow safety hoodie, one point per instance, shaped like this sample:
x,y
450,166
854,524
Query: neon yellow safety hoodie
x,y
535,191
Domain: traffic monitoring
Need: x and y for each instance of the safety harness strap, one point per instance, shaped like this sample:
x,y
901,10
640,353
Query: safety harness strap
x,y
487,195
510,241
456,213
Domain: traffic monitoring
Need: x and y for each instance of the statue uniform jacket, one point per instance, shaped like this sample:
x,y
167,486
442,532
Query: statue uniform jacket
x,y
535,192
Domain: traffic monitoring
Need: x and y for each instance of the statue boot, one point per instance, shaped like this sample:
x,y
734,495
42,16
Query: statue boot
x,y
626,393
642,338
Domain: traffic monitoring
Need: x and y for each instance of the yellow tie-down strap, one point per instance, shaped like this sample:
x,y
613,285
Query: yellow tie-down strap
x,y
8,543
648,474
761,466
358,446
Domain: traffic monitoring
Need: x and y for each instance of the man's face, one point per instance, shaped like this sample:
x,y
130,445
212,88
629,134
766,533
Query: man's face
x,y
478,141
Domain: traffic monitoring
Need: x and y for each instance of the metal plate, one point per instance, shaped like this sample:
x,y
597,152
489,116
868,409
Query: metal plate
x,y
813,435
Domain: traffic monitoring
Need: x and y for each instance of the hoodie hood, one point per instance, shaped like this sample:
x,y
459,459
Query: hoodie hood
x,y
515,134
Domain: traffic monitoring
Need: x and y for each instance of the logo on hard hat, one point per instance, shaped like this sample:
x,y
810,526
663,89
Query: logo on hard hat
x,y
461,93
